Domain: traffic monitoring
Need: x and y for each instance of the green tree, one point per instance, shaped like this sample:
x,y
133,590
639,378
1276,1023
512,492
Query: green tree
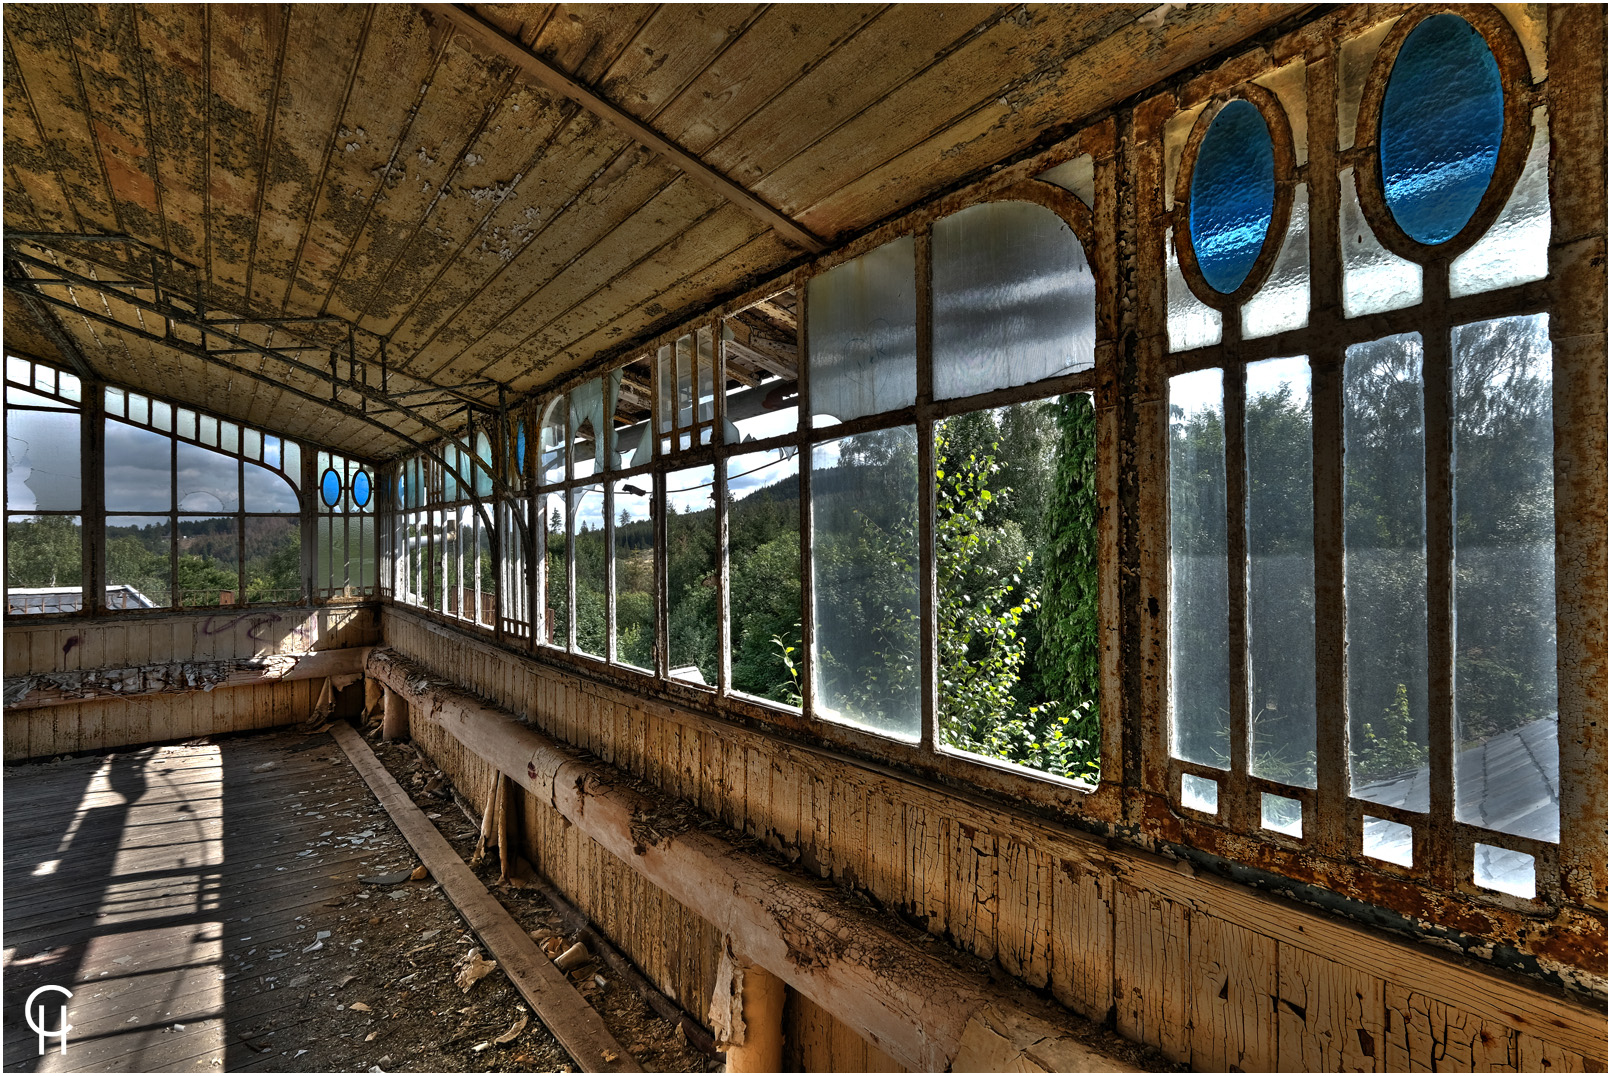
x,y
1067,658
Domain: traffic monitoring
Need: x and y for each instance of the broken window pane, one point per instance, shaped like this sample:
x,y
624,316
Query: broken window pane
x,y
1199,594
42,461
864,573
1507,770
761,363
206,481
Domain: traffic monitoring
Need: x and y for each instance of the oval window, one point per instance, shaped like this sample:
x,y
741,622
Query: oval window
x,y
1232,195
520,447
1443,117
330,487
360,489
400,489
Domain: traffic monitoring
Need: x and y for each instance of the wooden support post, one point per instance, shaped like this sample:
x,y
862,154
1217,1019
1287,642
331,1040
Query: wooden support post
x,y
394,718
746,1012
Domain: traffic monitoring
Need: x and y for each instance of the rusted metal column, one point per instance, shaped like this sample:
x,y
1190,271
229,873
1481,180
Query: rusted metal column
x,y
1577,102
394,719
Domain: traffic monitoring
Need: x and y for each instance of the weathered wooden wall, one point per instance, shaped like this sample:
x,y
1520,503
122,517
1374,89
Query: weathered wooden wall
x,y
185,639
1209,972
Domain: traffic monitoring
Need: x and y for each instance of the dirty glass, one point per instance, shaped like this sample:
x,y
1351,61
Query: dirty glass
x,y
1281,572
1374,280
1199,595
1283,302
864,572
1507,764
1014,299
1232,195
1443,116
1384,570
1516,249
863,335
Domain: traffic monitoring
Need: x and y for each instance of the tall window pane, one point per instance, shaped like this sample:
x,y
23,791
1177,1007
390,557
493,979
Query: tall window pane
x,y
1199,592
42,461
1281,571
1384,570
633,549
1015,548
588,548
273,558
864,571
1507,771
763,541
209,560
556,576
139,469
691,583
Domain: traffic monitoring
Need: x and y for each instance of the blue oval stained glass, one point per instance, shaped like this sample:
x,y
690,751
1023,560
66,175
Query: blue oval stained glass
x,y
400,488
1443,117
520,446
330,487
1232,195
360,489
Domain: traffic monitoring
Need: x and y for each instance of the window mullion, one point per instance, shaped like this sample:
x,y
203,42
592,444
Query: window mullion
x,y
928,655
1243,812
1439,856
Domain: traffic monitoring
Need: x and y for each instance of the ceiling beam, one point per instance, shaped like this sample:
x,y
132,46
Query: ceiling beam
x,y
465,18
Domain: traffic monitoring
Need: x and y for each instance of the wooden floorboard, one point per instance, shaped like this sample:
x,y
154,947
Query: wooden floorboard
x,y
166,887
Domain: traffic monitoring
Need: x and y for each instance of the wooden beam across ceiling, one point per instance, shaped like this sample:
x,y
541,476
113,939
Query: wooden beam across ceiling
x,y
545,74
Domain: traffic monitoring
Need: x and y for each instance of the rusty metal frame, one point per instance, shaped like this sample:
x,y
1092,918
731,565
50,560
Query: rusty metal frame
x,y
1561,935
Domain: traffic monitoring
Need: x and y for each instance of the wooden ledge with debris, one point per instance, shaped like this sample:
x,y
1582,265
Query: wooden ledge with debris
x,y
923,1003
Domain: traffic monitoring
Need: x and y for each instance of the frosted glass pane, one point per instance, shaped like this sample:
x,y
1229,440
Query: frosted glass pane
x,y
1281,814
633,549
613,445
162,416
185,424
691,615
207,481
116,401
864,568
138,469
1504,870
1199,597
1373,279
208,427
139,407
229,437
17,369
1392,842
483,465
1192,323
763,490
42,461
667,389
551,443
1384,570
251,440
685,382
1283,302
1516,249
1077,176
707,380
1199,793
587,423
71,388
292,451
1014,299
1281,571
1443,115
863,335
1507,770
587,548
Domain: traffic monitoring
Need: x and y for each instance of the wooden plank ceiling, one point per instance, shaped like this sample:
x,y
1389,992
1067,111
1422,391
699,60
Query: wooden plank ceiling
x,y
389,168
